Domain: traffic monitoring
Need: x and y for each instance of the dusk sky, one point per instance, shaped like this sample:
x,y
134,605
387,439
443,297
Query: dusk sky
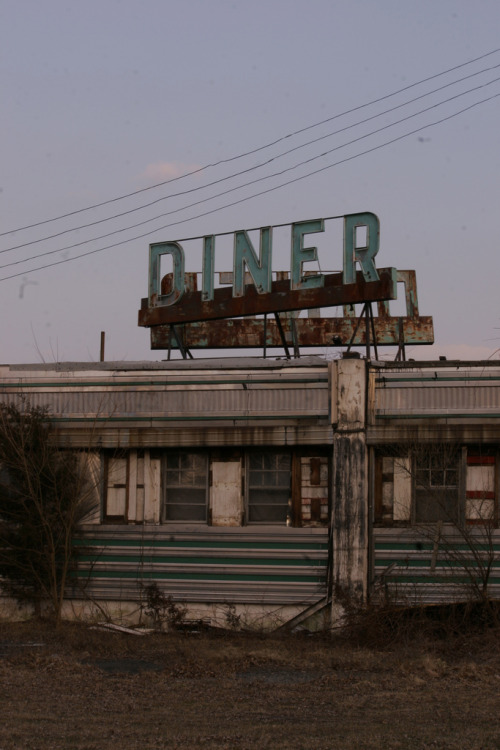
x,y
104,99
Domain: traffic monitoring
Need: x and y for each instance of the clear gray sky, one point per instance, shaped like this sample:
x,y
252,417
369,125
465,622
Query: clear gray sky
x,y
104,98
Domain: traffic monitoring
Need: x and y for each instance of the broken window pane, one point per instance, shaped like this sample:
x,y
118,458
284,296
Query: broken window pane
x,y
186,486
436,486
269,487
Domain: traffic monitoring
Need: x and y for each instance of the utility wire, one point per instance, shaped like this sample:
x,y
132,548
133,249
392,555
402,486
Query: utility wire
x,y
255,195
246,184
244,171
252,151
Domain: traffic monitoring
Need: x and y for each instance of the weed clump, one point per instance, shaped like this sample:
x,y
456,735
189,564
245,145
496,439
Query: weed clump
x,y
161,609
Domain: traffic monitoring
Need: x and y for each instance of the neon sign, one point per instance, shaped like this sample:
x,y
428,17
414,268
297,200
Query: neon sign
x,y
303,290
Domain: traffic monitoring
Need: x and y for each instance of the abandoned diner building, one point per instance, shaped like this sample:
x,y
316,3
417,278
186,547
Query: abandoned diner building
x,y
276,486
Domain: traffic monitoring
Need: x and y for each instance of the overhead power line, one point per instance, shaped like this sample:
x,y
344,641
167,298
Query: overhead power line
x,y
263,192
251,151
250,169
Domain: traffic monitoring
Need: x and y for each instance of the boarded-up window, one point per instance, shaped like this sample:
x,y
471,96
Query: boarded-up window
x,y
269,487
186,486
116,484
225,493
393,488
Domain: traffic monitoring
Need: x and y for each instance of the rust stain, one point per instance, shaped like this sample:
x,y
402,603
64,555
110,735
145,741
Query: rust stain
x,y
280,299
310,332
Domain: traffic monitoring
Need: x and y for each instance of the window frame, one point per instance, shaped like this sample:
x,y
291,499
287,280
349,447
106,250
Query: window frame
x,y
450,492
483,455
166,488
106,458
249,487
454,458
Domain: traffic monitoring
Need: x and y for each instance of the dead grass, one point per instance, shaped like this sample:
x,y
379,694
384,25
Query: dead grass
x,y
84,689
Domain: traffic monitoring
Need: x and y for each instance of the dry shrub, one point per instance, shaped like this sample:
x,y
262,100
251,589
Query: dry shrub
x,y
45,493
383,624
161,609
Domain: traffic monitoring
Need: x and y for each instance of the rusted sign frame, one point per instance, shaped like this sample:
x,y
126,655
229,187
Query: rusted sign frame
x,y
281,299
314,331
367,314
248,333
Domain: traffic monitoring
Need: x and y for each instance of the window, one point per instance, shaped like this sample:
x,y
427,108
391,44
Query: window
x,y
312,506
116,488
480,487
123,486
419,485
186,486
436,486
269,487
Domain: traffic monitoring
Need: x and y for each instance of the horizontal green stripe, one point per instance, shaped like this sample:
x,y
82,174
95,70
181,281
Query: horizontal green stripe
x,y
144,543
161,383
234,417
443,581
404,546
164,559
442,562
444,548
148,575
437,416
386,379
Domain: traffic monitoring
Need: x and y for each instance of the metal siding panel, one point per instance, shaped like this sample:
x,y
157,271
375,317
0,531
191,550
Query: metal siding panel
x,y
303,399
441,399
403,566
236,565
437,391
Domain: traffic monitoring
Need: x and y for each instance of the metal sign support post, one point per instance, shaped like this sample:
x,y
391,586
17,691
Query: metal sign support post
x,y
367,313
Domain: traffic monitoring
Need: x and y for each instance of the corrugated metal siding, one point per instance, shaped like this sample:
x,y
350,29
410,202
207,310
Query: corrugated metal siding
x,y
205,403
185,396
278,566
437,391
413,570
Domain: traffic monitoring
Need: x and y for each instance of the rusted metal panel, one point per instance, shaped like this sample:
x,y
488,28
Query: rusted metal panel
x,y
190,283
409,279
310,332
313,331
281,299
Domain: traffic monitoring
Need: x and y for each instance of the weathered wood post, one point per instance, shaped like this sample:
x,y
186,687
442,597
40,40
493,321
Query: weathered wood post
x,y
349,516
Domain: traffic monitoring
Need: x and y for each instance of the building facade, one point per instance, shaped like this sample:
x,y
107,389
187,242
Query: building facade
x,y
278,487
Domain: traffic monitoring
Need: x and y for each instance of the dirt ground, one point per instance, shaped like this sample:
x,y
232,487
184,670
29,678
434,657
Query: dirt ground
x,y
92,690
